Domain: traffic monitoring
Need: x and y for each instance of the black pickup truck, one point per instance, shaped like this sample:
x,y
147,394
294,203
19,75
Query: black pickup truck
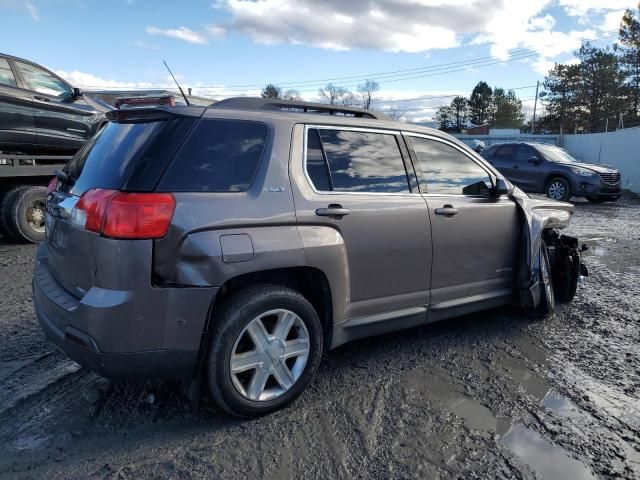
x,y
43,122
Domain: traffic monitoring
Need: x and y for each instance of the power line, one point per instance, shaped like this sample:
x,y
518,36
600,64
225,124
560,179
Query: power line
x,y
435,97
387,77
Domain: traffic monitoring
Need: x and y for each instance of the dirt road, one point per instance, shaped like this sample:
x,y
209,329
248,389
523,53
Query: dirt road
x,y
491,395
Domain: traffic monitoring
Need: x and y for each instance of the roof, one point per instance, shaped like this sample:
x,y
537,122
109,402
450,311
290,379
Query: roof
x,y
278,104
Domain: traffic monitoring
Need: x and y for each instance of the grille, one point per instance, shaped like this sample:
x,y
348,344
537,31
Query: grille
x,y
610,178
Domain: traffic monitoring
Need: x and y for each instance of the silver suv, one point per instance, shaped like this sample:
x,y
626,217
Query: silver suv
x,y
236,243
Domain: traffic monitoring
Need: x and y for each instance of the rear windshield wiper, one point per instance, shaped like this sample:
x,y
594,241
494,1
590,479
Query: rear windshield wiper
x,y
64,178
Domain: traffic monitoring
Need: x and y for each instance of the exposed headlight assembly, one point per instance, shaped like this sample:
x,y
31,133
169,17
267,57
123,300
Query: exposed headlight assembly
x,y
583,172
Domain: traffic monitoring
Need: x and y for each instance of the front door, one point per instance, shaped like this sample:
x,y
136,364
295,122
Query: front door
x,y
475,235
62,122
355,182
17,123
530,173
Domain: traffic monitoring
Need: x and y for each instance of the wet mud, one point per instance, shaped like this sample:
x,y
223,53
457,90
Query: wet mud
x,y
489,395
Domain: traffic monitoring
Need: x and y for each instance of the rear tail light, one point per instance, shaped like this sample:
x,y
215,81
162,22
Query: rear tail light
x,y
124,215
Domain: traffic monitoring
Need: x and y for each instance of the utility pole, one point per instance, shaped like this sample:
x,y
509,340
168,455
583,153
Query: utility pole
x,y
535,104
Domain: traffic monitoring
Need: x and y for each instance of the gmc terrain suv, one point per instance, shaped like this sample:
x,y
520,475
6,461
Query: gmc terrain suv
x,y
235,243
540,168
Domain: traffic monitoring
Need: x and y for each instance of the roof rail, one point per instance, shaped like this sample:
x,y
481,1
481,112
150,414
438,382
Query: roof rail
x,y
278,104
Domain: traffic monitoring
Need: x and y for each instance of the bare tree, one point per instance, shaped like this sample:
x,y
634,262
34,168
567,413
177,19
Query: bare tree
x,y
396,113
292,95
367,91
336,95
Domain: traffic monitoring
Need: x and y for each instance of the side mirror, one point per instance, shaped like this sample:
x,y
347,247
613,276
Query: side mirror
x,y
76,92
502,187
534,160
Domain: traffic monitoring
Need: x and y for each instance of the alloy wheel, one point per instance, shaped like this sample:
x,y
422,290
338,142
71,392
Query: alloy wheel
x,y
269,355
557,190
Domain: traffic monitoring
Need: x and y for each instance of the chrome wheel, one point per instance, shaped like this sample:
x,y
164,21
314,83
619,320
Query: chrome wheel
x,y
557,190
269,355
35,215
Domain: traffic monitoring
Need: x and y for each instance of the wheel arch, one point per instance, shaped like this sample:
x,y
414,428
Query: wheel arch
x,y
311,282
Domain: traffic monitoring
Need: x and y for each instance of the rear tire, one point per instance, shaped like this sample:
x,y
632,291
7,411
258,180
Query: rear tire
x,y
558,188
275,376
23,213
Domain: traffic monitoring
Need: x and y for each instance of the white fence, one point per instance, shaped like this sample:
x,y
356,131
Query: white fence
x,y
620,149
491,139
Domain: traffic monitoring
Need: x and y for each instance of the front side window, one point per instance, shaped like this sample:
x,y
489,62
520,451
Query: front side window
x,y
41,81
526,153
448,171
354,161
6,75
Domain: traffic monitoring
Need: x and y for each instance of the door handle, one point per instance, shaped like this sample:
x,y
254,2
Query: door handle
x,y
333,211
447,211
515,167
38,97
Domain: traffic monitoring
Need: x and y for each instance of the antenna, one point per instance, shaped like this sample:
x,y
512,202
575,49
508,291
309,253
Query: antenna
x,y
179,87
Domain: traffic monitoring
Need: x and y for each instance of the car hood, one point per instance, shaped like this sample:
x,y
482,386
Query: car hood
x,y
590,166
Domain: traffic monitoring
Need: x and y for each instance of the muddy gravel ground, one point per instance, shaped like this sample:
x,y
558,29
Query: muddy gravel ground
x,y
489,395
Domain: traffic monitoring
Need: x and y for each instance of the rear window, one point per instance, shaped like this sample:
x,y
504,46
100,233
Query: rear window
x,y
219,156
127,156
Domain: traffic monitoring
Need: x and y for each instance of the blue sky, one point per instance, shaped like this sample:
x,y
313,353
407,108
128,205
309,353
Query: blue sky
x,y
236,45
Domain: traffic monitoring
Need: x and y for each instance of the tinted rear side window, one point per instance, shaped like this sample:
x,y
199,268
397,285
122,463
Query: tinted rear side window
x,y
363,161
127,156
508,152
219,156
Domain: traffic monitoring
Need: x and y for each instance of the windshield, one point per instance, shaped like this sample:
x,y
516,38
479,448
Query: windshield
x,y
555,154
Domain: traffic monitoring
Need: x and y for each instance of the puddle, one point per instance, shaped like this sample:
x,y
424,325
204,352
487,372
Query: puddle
x,y
32,442
548,460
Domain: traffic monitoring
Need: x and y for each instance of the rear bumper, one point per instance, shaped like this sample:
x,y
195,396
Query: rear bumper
x,y
95,335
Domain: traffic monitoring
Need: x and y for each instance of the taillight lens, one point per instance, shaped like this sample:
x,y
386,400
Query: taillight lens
x,y
124,215
53,184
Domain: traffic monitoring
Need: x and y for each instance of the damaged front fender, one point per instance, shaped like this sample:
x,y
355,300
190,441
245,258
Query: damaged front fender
x,y
541,219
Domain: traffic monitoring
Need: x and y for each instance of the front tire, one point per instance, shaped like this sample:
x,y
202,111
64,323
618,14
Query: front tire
x,y
558,188
547,304
265,348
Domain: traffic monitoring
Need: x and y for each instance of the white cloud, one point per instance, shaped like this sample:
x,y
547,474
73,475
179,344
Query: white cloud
x,y
611,21
586,8
33,11
182,33
25,6
145,45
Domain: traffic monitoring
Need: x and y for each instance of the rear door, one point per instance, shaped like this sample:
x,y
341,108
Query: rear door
x,y
360,175
475,236
61,122
17,121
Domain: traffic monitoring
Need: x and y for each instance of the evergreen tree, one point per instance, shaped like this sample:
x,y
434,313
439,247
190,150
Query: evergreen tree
x,y
271,91
630,58
507,109
460,111
600,86
480,104
444,116
560,96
